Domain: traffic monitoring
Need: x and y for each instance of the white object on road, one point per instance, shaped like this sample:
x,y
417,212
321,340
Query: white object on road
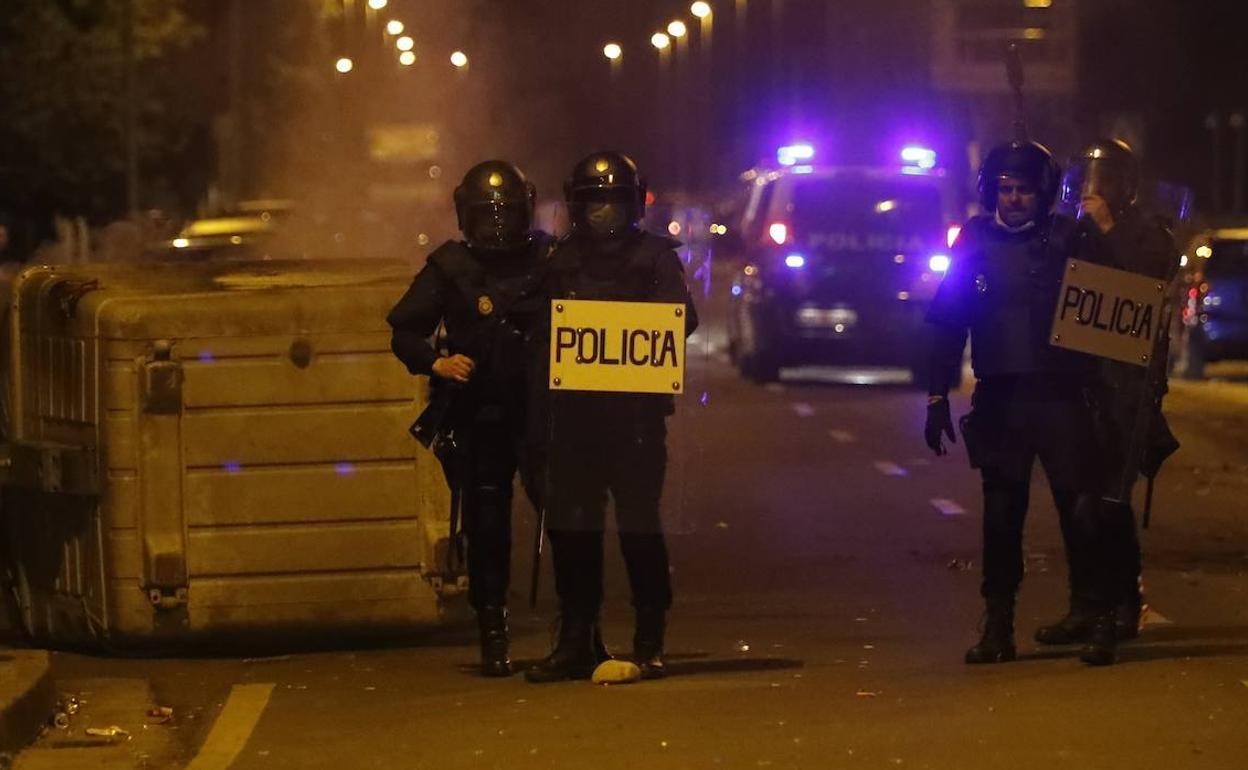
x,y
842,436
890,468
947,507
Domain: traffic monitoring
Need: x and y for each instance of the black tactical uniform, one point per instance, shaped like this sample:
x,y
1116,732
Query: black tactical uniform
x,y
602,444
1030,400
484,292
1126,394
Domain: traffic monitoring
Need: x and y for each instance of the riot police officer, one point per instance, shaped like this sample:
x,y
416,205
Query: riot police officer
x,y
1029,401
483,291
602,444
1103,183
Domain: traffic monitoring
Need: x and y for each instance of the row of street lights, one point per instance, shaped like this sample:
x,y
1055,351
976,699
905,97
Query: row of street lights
x,y
405,44
661,40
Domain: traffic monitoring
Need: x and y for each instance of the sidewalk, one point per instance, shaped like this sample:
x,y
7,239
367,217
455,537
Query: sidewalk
x,y
27,698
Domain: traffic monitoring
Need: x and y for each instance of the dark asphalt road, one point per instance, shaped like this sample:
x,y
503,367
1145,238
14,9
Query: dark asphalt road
x,y
823,608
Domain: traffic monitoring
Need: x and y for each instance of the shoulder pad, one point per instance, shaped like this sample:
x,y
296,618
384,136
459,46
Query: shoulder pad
x,y
451,255
974,229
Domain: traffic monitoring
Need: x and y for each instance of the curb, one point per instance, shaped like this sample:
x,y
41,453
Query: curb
x,y
27,697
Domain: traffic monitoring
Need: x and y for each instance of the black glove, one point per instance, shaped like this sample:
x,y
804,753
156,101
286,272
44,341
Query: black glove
x,y
938,421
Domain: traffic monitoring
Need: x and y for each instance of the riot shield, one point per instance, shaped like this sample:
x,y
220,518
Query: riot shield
x,y
621,413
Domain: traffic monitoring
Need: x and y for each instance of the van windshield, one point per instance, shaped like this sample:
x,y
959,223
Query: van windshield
x,y
869,215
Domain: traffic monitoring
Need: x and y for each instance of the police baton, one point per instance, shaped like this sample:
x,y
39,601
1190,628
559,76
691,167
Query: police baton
x,y
537,555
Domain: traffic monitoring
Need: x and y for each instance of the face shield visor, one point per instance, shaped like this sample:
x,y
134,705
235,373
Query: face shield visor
x,y
604,212
1098,177
497,224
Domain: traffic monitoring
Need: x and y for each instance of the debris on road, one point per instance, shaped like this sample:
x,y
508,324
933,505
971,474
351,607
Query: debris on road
x,y
108,732
616,672
947,507
961,565
866,694
160,715
743,646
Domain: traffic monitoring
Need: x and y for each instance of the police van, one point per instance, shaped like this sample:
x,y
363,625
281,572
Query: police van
x,y
840,263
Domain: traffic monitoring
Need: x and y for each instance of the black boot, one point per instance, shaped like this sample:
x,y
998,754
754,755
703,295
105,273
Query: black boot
x,y
495,660
1102,646
573,657
1072,629
997,643
648,642
1128,616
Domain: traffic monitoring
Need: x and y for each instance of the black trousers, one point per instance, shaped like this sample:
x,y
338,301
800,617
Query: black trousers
x,y
1119,407
1016,422
1122,550
491,466
625,460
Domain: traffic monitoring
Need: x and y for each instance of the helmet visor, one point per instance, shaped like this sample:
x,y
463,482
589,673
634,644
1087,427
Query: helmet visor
x,y
1096,177
497,225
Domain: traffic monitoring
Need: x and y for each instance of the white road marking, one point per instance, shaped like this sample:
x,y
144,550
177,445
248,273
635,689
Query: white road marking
x,y
1154,618
802,409
947,507
842,436
890,468
233,728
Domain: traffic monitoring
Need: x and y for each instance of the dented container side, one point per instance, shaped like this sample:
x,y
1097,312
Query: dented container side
x,y
255,468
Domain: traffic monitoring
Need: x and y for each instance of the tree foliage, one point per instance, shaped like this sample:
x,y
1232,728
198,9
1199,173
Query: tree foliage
x,y
62,137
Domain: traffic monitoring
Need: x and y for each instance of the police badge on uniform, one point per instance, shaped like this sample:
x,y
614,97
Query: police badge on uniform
x,y
981,284
485,305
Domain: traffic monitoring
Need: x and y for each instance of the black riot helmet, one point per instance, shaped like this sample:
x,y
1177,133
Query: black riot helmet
x,y
1029,160
606,196
1107,168
494,205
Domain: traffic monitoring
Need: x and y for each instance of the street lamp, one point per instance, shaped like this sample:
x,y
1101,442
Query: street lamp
x,y
344,65
700,9
459,59
660,40
405,43
395,27
677,28
612,51
407,58
377,5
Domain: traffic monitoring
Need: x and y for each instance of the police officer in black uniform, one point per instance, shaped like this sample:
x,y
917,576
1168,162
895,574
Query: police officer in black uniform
x,y
483,290
604,444
1030,397
1103,182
